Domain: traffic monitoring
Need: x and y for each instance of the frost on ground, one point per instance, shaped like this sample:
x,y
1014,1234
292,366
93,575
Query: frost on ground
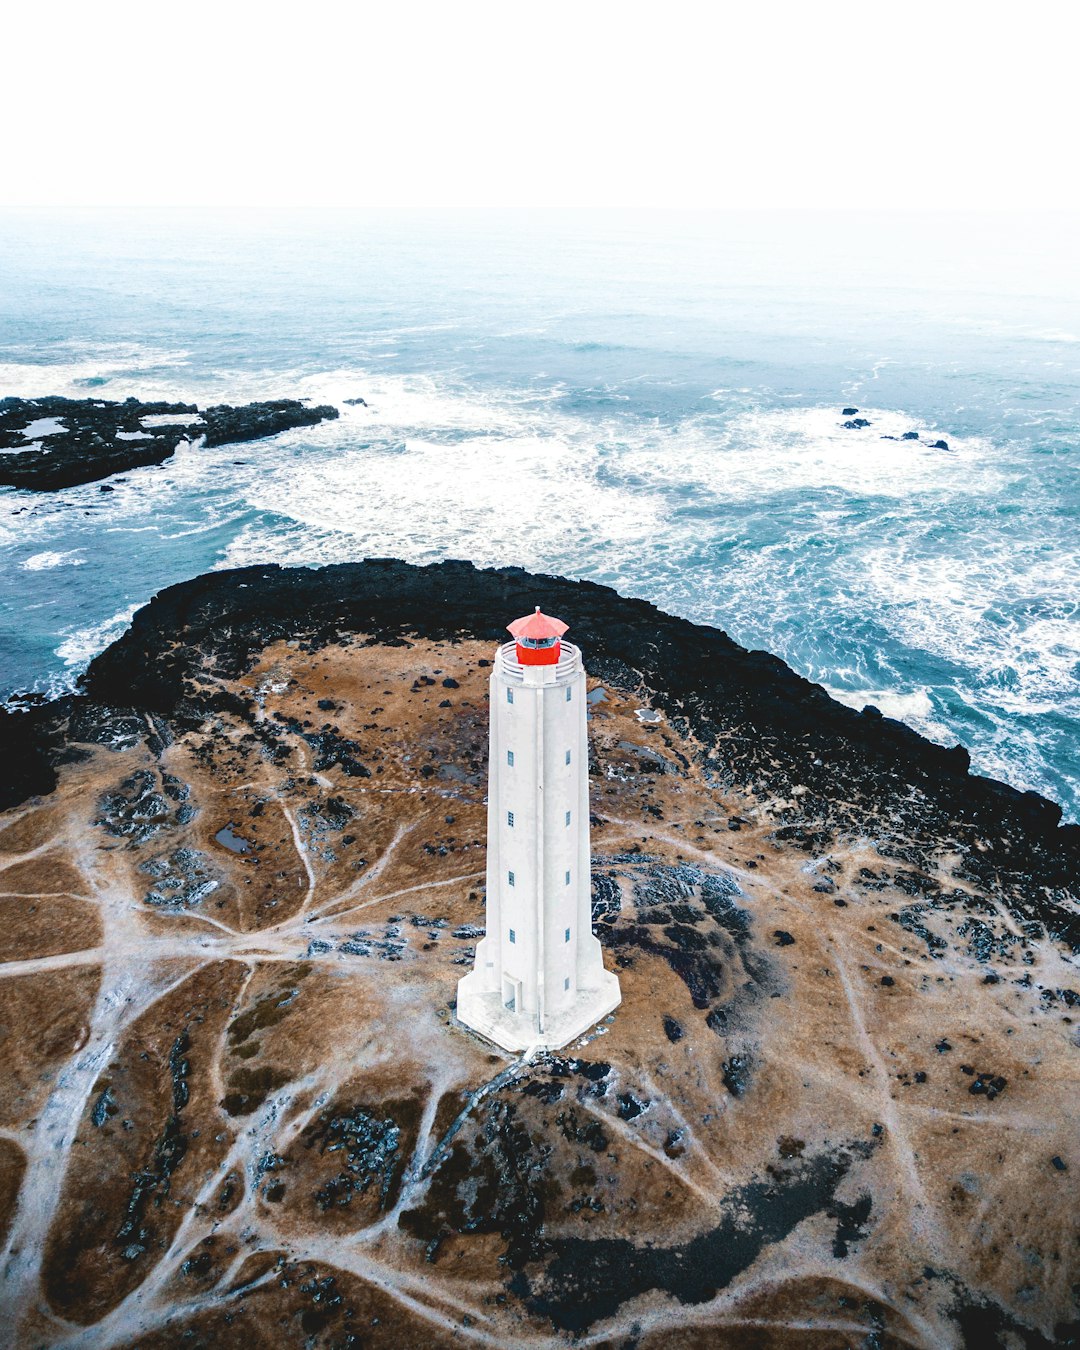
x,y
836,1107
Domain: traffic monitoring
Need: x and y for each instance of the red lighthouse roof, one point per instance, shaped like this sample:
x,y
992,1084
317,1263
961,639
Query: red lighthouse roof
x,y
537,627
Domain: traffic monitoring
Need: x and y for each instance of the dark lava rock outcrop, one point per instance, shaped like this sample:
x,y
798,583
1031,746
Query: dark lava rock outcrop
x,y
771,730
55,443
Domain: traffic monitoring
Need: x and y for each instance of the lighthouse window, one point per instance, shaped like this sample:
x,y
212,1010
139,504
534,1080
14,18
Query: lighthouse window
x,y
510,819
513,936
509,696
566,982
568,817
567,937
510,758
569,694
510,877
568,878
568,756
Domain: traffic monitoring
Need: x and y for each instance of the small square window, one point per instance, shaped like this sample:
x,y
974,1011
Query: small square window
x,y
510,877
566,982
510,758
568,756
568,878
513,936
510,819
567,937
509,696
569,693
568,817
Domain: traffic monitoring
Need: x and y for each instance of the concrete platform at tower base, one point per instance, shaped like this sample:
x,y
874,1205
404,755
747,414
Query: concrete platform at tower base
x,y
484,1013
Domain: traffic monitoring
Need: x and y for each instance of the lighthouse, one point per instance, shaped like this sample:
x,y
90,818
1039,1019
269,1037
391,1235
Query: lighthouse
x,y
539,977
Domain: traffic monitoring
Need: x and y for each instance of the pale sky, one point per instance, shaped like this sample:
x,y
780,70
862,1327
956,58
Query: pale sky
x,y
936,104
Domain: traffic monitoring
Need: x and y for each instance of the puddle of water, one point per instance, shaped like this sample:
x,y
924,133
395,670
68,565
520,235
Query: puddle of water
x,y
597,695
647,715
232,841
43,426
171,420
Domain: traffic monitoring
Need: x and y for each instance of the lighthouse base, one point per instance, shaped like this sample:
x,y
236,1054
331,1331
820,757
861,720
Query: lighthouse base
x,y
483,1011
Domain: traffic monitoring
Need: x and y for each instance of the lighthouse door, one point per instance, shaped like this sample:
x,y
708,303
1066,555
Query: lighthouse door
x,y
511,994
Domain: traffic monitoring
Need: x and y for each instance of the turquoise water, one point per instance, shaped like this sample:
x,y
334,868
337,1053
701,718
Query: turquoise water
x,y
651,401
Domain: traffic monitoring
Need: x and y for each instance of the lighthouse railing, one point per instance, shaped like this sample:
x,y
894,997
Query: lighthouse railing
x,y
568,664
569,661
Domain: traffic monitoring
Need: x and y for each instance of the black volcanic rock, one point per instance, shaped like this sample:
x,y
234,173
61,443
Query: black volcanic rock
x,y
848,412
225,425
97,439
939,445
856,423
765,730
910,436
91,443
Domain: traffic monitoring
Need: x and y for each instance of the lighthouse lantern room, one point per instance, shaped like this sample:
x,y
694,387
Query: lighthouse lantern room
x,y
539,977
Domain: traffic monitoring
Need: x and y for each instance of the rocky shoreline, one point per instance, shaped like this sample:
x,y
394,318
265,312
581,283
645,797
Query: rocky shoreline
x,y
824,765
54,443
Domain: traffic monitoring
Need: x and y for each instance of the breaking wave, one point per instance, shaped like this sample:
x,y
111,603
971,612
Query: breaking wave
x,y
81,645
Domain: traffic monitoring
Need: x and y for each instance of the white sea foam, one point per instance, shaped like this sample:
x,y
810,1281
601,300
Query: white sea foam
x,y
424,404
725,459
527,499
757,454
86,363
81,645
904,707
914,706
42,562
1005,612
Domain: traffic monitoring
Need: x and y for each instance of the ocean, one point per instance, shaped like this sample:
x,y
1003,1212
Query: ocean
x,y
649,400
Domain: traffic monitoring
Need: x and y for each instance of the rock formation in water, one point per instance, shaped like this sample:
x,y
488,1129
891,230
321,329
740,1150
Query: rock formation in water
x,y
53,443
835,1108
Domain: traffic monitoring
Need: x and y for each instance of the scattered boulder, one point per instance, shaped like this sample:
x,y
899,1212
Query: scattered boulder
x,y
736,1073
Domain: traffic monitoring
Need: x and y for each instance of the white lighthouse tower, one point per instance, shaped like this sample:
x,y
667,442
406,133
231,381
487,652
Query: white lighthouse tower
x,y
539,978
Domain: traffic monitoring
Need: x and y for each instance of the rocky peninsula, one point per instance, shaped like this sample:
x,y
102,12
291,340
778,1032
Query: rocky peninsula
x,y
243,871
52,443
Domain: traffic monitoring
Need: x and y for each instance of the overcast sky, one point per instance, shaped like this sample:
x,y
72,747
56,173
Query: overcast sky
x,y
943,104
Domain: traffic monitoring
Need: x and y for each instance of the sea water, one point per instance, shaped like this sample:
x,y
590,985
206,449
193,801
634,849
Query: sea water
x,y
652,401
